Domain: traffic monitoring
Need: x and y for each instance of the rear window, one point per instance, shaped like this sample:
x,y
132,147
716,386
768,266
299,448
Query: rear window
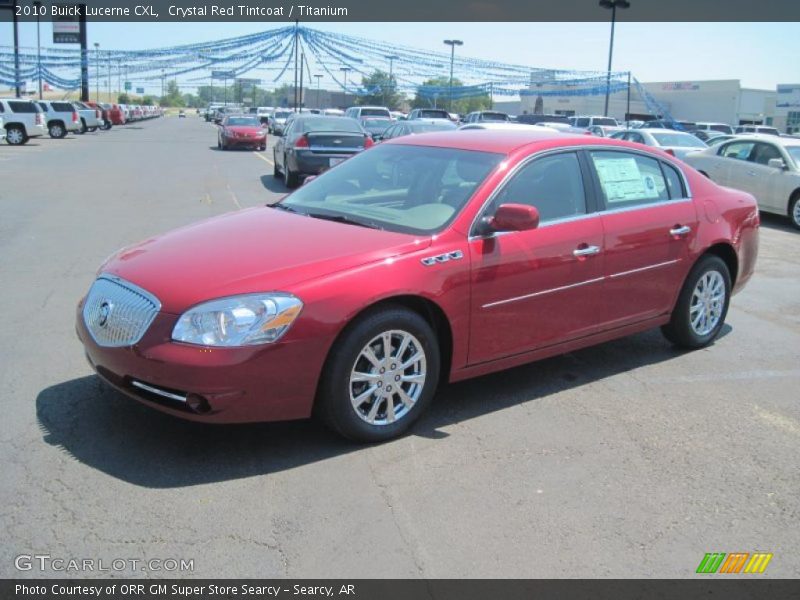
x,y
62,107
768,130
608,122
495,116
374,112
681,140
329,124
20,106
434,114
582,122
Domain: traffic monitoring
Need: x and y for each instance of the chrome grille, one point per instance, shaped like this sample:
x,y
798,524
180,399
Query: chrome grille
x,y
117,313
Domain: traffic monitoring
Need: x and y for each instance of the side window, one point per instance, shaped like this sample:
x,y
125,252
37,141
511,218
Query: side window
x,y
553,184
629,179
636,137
764,153
737,150
583,122
674,182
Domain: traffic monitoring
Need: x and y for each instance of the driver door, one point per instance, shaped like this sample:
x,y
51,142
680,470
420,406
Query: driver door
x,y
537,288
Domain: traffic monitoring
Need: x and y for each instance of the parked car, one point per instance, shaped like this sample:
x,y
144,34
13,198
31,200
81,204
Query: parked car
x,y
277,121
706,134
314,143
766,166
416,126
116,113
604,130
540,118
61,118
434,257
688,126
2,130
375,126
333,112
677,143
91,118
104,116
718,127
23,120
241,130
428,113
718,139
484,116
763,129
181,114
397,115
357,112
585,122
500,126
263,113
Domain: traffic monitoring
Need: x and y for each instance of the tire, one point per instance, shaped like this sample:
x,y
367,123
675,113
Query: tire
x,y
91,129
56,130
84,128
276,173
290,179
107,126
15,135
219,144
371,420
794,210
262,148
710,275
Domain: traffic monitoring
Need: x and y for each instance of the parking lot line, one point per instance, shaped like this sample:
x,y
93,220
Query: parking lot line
x,y
264,158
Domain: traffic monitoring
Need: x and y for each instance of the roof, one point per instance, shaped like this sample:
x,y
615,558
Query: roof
x,y
494,140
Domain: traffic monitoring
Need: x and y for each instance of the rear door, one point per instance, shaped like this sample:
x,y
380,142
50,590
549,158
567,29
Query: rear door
x,y
769,185
649,222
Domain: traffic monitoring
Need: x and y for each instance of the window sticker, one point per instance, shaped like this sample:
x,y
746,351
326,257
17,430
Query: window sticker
x,y
622,181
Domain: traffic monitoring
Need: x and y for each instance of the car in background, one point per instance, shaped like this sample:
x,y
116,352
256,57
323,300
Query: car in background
x,y
181,114
263,113
718,127
357,112
585,122
277,120
706,134
375,126
61,118
91,118
604,130
677,143
403,128
540,118
2,130
312,144
500,126
23,120
238,131
116,114
634,124
667,124
486,116
397,115
104,114
718,139
763,129
429,113
428,259
766,166
332,112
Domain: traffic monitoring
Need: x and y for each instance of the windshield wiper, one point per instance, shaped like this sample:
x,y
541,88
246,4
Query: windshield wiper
x,y
344,219
286,207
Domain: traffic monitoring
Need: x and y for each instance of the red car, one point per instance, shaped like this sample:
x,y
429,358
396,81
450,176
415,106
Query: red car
x,y
429,258
115,113
105,114
241,130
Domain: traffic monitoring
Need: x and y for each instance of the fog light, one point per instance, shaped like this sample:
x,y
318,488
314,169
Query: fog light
x,y
197,403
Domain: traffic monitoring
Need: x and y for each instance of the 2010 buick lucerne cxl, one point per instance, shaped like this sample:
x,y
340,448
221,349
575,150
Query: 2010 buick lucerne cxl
x,y
429,258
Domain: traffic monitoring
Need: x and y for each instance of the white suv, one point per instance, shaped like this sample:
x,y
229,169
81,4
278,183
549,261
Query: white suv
x,y
23,119
356,112
584,122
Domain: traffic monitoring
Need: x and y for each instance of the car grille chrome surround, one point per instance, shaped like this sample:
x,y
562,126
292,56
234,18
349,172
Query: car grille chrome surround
x,y
117,313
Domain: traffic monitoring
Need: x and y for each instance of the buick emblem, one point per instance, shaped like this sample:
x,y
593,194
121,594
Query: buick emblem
x,y
105,312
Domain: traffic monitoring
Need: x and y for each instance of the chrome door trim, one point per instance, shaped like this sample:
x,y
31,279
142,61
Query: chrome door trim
x,y
647,268
543,292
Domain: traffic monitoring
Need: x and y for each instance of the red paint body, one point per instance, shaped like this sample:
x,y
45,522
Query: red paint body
x,y
231,136
339,270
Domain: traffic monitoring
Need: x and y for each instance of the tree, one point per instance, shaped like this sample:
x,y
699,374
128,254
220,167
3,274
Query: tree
x,y
123,99
173,96
381,90
460,105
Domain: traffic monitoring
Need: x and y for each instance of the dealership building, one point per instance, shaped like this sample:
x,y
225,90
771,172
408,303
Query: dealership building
x,y
723,100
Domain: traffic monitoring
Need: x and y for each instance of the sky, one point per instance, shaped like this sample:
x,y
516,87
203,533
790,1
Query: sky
x,y
761,55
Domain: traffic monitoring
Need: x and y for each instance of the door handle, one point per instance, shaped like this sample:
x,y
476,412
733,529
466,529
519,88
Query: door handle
x,y
680,230
586,251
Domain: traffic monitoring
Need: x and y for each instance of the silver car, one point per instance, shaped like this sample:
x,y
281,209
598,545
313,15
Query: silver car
x,y
677,143
766,166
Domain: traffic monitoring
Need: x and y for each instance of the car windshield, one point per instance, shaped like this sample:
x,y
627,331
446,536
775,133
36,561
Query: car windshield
x,y
243,122
435,126
411,189
683,140
495,116
794,152
374,112
610,122
376,124
329,124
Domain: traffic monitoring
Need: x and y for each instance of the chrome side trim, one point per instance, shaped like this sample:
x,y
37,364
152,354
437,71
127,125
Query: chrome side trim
x,y
157,391
543,292
647,268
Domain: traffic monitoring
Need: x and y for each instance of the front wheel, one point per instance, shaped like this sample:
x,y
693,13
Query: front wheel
x,y
794,210
15,135
91,129
380,376
57,131
702,305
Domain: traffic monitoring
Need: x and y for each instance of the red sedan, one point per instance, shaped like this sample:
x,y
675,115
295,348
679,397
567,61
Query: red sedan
x,y
241,130
429,258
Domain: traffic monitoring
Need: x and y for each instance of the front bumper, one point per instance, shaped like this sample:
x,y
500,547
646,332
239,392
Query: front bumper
x,y
245,141
271,382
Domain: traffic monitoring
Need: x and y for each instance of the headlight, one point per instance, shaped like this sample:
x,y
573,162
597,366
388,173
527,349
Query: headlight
x,y
238,320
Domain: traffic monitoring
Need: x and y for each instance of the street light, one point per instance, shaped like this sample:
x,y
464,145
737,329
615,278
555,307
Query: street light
x,y
97,72
613,5
318,76
391,58
345,70
452,44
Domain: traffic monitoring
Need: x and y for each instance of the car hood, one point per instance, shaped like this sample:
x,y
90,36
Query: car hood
x,y
258,249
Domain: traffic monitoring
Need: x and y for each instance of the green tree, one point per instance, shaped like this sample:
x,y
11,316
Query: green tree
x,y
385,90
460,105
123,99
173,96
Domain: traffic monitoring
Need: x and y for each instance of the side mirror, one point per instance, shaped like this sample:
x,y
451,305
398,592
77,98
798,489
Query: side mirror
x,y
512,217
776,163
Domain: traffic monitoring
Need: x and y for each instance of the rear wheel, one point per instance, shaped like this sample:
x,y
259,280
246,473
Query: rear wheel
x,y
275,171
91,129
15,135
83,128
57,131
794,210
380,376
290,178
702,305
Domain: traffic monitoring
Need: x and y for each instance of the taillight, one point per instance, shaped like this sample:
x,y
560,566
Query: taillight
x,y
368,142
39,118
74,117
302,142
97,113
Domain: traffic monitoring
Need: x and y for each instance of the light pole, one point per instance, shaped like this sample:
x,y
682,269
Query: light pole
x,y
613,5
391,58
318,76
452,44
162,85
345,70
38,7
97,72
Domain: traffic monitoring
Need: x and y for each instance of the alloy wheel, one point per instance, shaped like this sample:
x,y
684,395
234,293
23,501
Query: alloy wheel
x,y
707,303
15,136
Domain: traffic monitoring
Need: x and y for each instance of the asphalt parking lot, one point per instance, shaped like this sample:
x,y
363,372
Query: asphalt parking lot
x,y
633,456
